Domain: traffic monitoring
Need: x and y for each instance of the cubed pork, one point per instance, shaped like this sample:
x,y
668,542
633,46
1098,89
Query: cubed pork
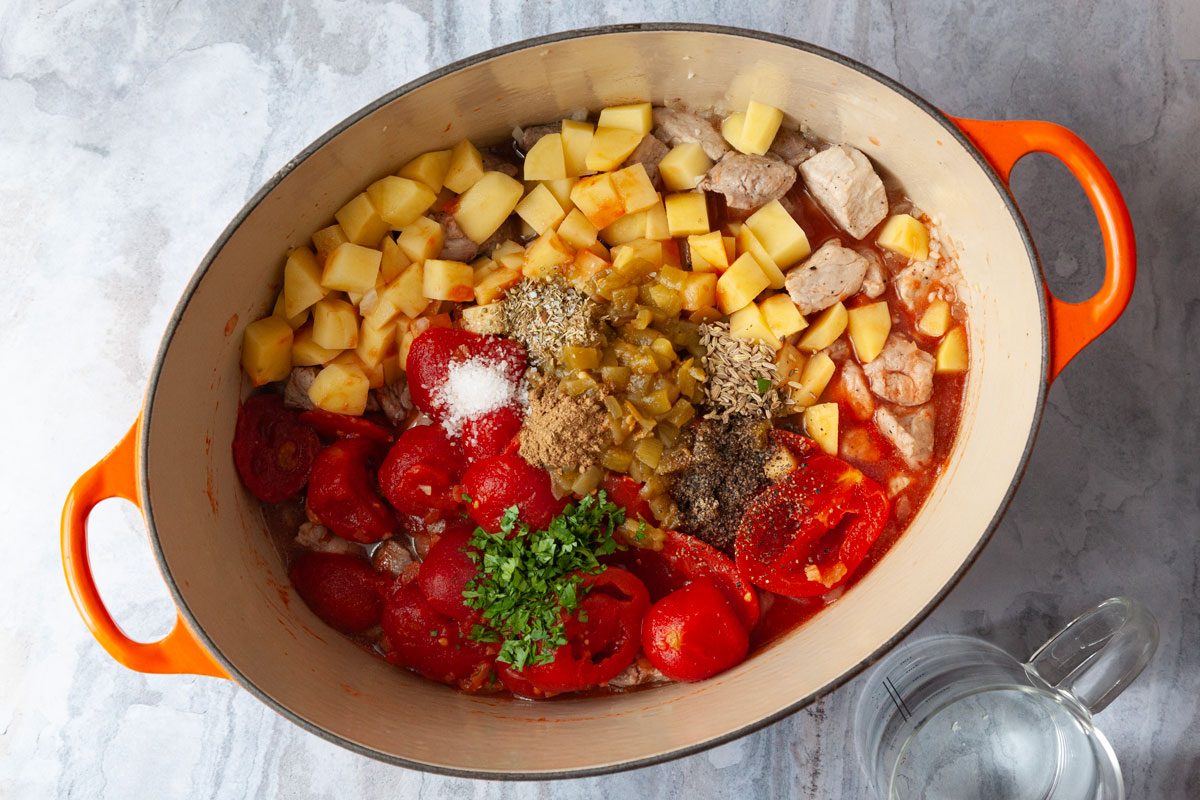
x,y
917,285
858,394
828,276
494,163
394,400
639,673
749,182
648,153
793,147
456,245
676,126
530,136
910,431
320,539
843,182
391,557
875,281
295,391
902,373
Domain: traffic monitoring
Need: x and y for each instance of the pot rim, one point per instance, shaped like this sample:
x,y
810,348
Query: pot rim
x,y
524,44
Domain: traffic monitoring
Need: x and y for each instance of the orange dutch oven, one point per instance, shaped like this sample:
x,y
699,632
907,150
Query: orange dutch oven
x,y
238,616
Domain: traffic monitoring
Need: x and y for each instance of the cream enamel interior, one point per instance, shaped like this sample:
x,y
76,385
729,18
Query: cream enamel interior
x,y
231,582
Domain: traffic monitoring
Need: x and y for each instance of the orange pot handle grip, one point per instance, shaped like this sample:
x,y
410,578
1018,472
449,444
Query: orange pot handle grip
x,y
1072,325
116,476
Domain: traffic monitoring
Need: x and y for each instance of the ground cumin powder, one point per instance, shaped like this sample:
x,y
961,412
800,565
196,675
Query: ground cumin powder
x,y
562,432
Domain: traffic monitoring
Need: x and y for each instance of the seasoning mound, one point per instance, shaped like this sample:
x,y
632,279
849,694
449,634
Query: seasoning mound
x,y
741,375
549,315
474,388
562,432
724,474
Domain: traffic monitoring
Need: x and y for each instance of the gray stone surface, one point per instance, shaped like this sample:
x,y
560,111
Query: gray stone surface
x,y
130,132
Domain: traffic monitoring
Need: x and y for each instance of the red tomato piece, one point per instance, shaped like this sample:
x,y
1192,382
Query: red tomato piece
x,y
342,495
490,434
497,483
421,471
344,426
808,533
685,558
446,571
625,492
602,639
429,642
340,588
272,449
694,633
434,350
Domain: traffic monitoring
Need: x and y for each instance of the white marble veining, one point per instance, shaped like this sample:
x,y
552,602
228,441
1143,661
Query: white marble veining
x,y
130,132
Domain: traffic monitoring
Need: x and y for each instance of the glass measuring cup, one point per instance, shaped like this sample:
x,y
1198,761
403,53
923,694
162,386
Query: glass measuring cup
x,y
957,718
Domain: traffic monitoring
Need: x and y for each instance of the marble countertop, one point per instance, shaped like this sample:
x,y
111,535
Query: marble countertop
x,y
134,131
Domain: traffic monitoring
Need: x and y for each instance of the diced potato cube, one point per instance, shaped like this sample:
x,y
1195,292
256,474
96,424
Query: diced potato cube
x,y
493,287
374,343
586,267
561,189
626,229
509,254
400,201
294,321
647,250
301,281
267,350
635,188
539,209
422,239
352,268
821,424
485,320
869,328
361,221
730,243
759,127
394,260
466,167
340,388
428,168
596,196
545,255
687,213
710,250
407,291
740,284
545,161
448,280
656,222
610,147
816,375
683,167
780,234
748,323
307,353
576,141
731,128
634,117
749,243
485,206
936,319
335,324
483,266
576,231
699,290
781,315
952,353
329,239
824,329
905,235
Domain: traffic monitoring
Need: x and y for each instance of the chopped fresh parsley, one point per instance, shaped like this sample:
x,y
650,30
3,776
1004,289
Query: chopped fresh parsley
x,y
528,578
763,385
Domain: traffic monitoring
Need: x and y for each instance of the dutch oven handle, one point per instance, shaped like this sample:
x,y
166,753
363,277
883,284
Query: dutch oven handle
x,y
1072,325
178,652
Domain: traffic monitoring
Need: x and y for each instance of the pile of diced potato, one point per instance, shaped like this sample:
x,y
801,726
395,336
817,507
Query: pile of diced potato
x,y
354,301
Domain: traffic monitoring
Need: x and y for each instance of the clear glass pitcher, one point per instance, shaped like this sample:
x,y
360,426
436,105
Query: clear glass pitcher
x,y
956,718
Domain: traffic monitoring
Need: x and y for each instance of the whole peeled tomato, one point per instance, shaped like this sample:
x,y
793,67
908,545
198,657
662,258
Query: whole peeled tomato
x,y
693,633
445,573
492,433
273,449
434,350
426,640
421,470
497,483
340,588
342,495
